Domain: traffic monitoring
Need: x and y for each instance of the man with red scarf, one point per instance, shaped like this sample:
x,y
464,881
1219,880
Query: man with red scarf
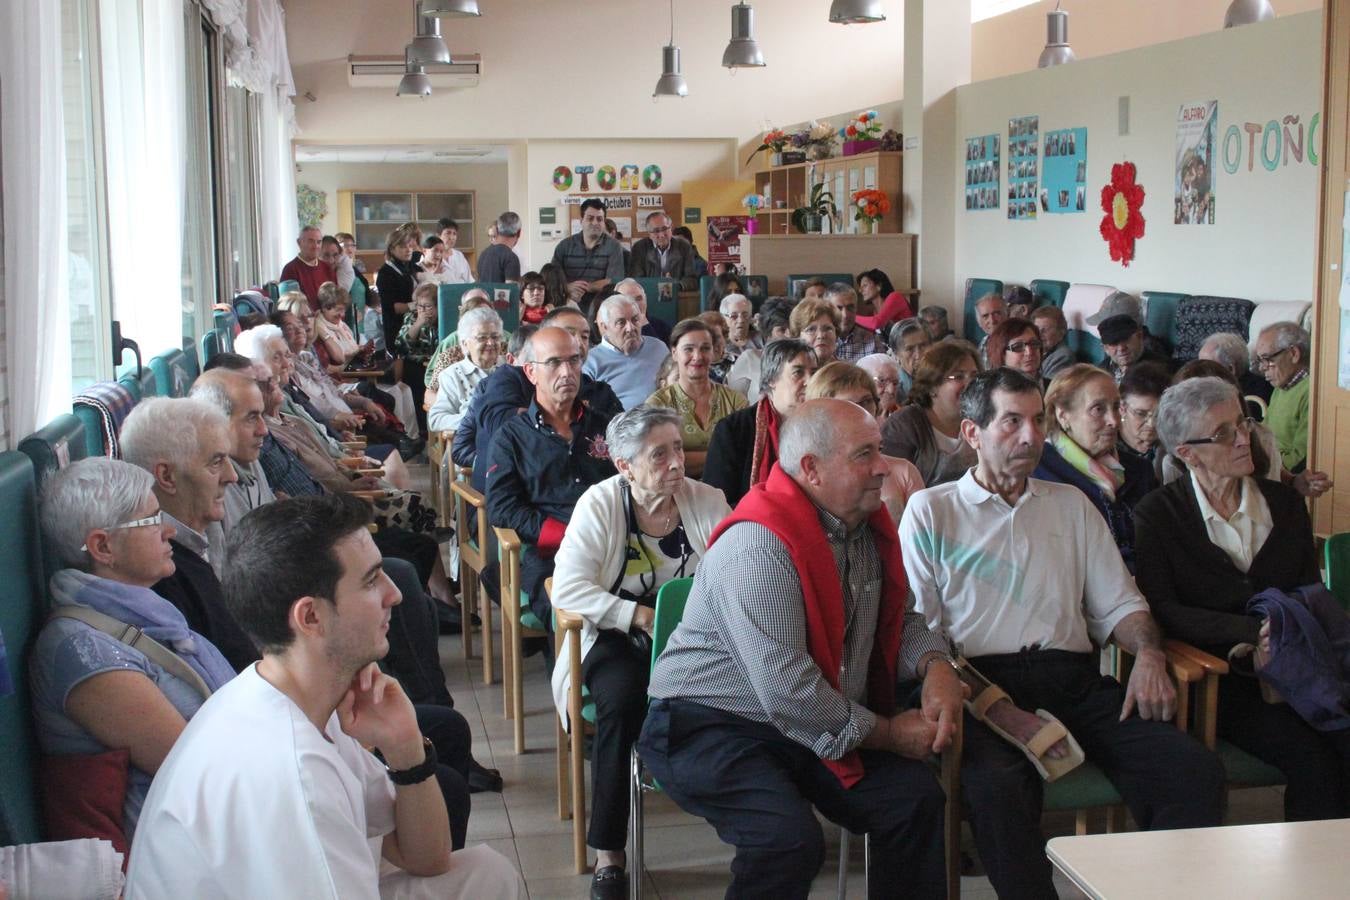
x,y
777,691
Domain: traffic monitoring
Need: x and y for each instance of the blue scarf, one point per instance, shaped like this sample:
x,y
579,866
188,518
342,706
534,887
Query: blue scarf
x,y
147,611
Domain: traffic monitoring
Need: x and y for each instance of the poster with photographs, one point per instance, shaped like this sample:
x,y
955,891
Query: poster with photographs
x,y
1064,182
982,175
1023,166
1197,127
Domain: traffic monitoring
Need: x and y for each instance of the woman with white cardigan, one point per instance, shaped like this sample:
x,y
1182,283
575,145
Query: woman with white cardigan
x,y
628,535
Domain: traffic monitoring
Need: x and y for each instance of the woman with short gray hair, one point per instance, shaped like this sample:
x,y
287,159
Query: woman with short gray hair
x,y
1209,542
744,445
480,335
116,668
628,535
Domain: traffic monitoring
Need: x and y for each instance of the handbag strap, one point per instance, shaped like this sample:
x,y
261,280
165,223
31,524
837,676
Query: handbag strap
x,y
137,639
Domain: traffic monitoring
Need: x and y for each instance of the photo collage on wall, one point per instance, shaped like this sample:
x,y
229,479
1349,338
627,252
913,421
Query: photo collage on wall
x,y
1023,166
1197,130
1065,181
982,175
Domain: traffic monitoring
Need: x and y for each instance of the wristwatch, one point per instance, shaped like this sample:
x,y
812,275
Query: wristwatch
x,y
418,773
948,659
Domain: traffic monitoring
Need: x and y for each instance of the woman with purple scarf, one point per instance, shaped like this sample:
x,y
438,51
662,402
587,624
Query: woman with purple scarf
x,y
110,701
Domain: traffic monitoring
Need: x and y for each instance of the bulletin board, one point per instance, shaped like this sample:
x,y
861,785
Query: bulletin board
x,y
628,210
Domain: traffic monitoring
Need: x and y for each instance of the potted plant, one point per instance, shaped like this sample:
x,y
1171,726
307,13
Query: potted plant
x,y
869,205
819,140
862,134
775,139
753,204
809,218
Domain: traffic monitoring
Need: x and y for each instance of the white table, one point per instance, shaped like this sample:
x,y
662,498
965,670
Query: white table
x,y
1295,859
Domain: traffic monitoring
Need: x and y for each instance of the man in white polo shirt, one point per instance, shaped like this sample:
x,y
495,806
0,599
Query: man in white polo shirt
x,y
1024,578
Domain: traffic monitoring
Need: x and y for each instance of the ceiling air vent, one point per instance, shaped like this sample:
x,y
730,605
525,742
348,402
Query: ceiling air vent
x,y
387,71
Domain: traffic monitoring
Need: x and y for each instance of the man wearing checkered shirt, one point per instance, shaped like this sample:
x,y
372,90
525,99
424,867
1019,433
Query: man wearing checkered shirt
x,y
776,693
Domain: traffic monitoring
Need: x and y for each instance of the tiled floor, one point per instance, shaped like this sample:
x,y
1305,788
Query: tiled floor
x,y
685,860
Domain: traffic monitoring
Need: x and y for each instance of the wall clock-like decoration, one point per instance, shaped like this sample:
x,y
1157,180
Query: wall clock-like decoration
x,y
651,177
562,178
606,177
1123,203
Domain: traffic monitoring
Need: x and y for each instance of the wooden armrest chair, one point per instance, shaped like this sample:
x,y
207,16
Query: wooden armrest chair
x,y
518,623
571,762
438,445
471,533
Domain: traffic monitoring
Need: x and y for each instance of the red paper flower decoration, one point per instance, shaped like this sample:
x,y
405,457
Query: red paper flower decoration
x,y
1122,201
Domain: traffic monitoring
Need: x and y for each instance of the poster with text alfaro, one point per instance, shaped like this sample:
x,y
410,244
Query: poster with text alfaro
x,y
1023,166
724,239
1197,127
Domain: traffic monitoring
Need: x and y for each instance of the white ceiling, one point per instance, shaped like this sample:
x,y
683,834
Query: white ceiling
x,y
406,153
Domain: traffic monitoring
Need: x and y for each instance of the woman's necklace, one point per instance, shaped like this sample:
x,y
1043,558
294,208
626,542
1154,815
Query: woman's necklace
x,y
652,518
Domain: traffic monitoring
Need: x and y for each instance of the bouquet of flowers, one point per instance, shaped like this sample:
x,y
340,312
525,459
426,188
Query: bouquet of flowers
x,y
864,127
775,139
870,204
754,203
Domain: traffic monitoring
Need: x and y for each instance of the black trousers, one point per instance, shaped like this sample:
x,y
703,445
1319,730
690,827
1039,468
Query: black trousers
x,y
414,654
415,377
449,732
1316,764
1167,778
757,788
617,676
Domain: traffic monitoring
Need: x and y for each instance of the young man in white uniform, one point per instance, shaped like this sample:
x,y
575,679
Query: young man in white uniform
x,y
269,791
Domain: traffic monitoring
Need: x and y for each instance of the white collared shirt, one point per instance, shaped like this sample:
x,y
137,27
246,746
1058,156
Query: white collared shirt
x,y
1242,535
998,578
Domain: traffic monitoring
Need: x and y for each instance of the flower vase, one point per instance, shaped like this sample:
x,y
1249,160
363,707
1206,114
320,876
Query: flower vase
x,y
751,225
867,225
776,159
853,148
817,152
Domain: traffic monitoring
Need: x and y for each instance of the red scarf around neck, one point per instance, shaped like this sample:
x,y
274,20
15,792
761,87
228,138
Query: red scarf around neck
x,y
781,506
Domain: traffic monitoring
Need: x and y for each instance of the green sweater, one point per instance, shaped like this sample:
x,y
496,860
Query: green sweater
x,y
1287,416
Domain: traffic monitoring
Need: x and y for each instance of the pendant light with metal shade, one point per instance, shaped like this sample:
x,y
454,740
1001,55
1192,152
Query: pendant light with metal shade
x,y
1057,50
856,12
415,82
671,83
1247,12
450,9
742,51
427,47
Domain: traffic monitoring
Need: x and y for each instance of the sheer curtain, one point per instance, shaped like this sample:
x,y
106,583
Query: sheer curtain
x,y
144,115
32,144
271,75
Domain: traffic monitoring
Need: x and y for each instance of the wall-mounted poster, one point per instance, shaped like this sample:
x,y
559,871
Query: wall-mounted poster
x,y
1023,166
1197,128
982,175
1065,178
724,238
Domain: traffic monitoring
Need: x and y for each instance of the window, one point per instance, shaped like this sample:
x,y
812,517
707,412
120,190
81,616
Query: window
x,y
200,236
90,346
241,111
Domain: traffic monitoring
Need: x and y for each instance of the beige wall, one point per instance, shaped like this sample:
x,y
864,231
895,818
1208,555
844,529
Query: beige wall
x,y
1013,42
489,181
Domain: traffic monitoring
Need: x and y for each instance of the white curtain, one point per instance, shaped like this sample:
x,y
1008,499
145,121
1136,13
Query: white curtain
x,y
144,134
271,73
32,141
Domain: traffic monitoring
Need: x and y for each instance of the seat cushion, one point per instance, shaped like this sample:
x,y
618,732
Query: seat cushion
x,y
1244,769
1086,786
1199,317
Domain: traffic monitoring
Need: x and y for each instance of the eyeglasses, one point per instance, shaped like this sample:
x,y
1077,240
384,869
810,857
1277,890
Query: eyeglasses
x,y
1226,434
1142,416
1024,346
424,305
660,229
156,519
1266,360
962,377
487,339
553,363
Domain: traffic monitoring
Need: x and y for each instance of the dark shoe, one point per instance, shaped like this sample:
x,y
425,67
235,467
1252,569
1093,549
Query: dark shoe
x,y
408,448
482,779
449,619
609,883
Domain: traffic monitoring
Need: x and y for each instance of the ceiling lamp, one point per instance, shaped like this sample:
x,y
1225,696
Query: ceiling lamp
x,y
1057,50
742,51
671,83
415,82
427,47
856,12
1246,12
450,9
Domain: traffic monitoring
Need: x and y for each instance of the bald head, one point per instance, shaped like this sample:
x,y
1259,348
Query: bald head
x,y
554,367
832,450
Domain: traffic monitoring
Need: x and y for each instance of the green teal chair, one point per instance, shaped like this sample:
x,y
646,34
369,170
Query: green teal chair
x,y
285,287
797,282
54,446
518,623
1049,293
21,615
172,373
226,324
1336,555
756,288
471,529
142,386
1160,314
663,298
1087,347
449,296
210,344
190,361
975,289
356,312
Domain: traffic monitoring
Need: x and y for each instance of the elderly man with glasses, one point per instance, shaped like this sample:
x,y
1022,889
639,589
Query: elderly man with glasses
x,y
663,255
1281,355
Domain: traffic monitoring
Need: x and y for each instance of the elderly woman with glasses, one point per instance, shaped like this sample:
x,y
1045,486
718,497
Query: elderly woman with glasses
x,y
629,535
817,323
1207,543
927,432
744,445
417,342
886,378
480,334
700,400
1082,417
908,341
1016,343
116,672
845,381
1140,390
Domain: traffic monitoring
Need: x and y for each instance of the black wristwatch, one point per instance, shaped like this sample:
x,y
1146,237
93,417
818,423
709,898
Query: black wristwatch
x,y
418,773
